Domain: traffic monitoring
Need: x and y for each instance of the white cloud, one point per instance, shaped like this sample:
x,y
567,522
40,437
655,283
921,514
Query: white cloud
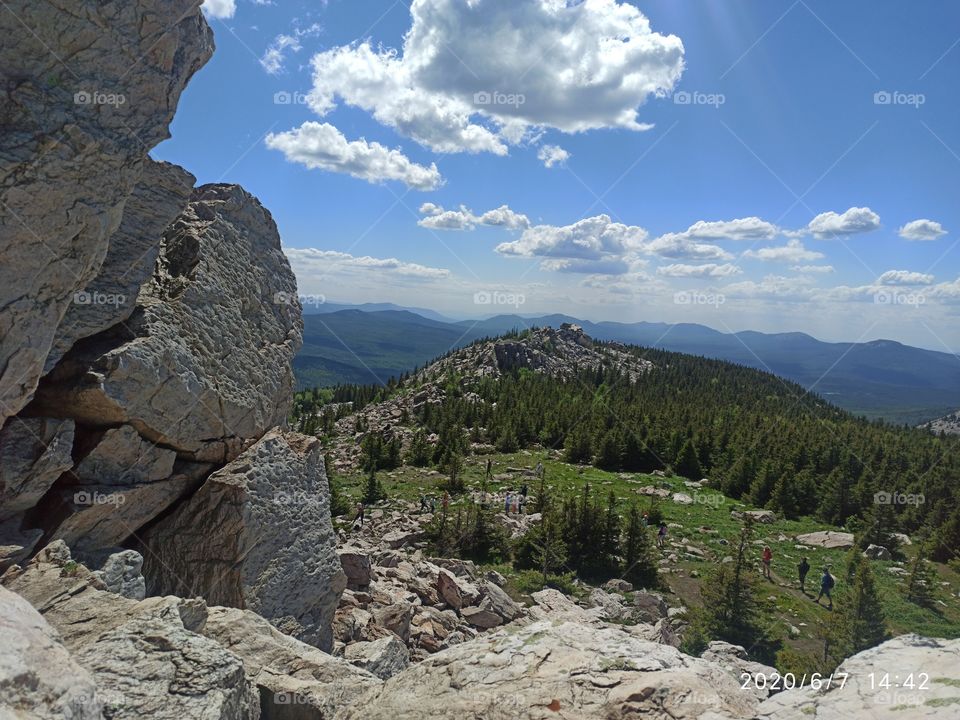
x,y
750,228
478,76
853,221
321,145
595,244
819,269
920,230
551,155
948,291
275,54
708,270
464,218
905,277
792,252
772,287
332,262
221,9
679,246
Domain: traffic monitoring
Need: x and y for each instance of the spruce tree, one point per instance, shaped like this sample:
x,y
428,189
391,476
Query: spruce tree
x,y
920,582
859,622
640,566
687,463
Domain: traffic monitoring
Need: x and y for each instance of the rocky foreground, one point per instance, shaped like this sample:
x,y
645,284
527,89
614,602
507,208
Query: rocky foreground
x,y
166,546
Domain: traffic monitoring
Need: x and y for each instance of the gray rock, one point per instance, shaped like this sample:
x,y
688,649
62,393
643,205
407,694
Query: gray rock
x,y
734,659
481,617
38,678
356,566
121,574
557,669
618,585
16,544
204,363
861,695
157,199
384,657
122,457
292,677
395,618
877,552
257,535
650,606
34,452
73,152
495,599
455,591
830,539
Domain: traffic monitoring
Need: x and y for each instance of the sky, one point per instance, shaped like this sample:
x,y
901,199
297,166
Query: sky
x,y
774,166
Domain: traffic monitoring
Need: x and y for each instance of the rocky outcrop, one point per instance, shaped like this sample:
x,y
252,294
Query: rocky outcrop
x,y
203,366
384,657
38,678
295,680
145,657
88,89
120,574
551,669
257,535
829,539
876,685
34,452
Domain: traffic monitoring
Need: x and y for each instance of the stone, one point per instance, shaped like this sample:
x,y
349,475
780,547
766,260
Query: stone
x,y
611,606
34,452
735,660
858,697
203,365
555,669
356,566
159,196
618,585
497,600
121,457
761,516
16,544
398,538
75,144
877,552
395,618
456,592
38,677
650,606
257,535
292,677
121,574
481,617
682,499
829,539
384,657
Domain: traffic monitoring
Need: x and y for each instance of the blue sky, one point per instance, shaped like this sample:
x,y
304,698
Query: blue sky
x,y
748,165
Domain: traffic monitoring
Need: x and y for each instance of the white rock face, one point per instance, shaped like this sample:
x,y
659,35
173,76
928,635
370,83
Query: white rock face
x,y
830,539
73,151
38,678
257,535
933,664
555,670
203,365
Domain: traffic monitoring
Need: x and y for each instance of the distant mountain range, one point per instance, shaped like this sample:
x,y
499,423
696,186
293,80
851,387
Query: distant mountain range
x,y
880,379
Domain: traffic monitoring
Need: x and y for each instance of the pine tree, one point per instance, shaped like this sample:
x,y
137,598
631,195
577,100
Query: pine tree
x,y
640,566
687,463
859,624
373,491
419,453
920,582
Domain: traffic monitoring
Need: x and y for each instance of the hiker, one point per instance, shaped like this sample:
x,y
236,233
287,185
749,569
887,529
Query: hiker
x,y
523,496
645,519
507,499
767,557
489,468
446,500
826,585
424,507
433,504
661,535
359,518
803,568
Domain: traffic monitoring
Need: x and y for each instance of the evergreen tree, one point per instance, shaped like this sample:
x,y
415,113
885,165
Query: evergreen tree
x,y
859,624
419,453
687,463
640,565
373,491
920,582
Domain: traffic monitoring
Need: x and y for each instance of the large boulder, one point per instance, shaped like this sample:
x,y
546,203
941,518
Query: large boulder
x,y
384,657
203,366
145,657
34,452
75,139
257,535
829,539
562,669
295,680
120,574
931,666
38,678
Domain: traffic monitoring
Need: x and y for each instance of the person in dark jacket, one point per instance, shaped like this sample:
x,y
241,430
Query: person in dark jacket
x,y
802,569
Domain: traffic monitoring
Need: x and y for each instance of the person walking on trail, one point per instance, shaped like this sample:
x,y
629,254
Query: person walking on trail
x,y
508,498
802,569
523,496
662,535
767,558
424,507
446,500
645,519
359,518
826,586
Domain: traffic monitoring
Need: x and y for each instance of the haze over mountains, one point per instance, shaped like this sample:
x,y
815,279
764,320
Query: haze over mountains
x,y
879,379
